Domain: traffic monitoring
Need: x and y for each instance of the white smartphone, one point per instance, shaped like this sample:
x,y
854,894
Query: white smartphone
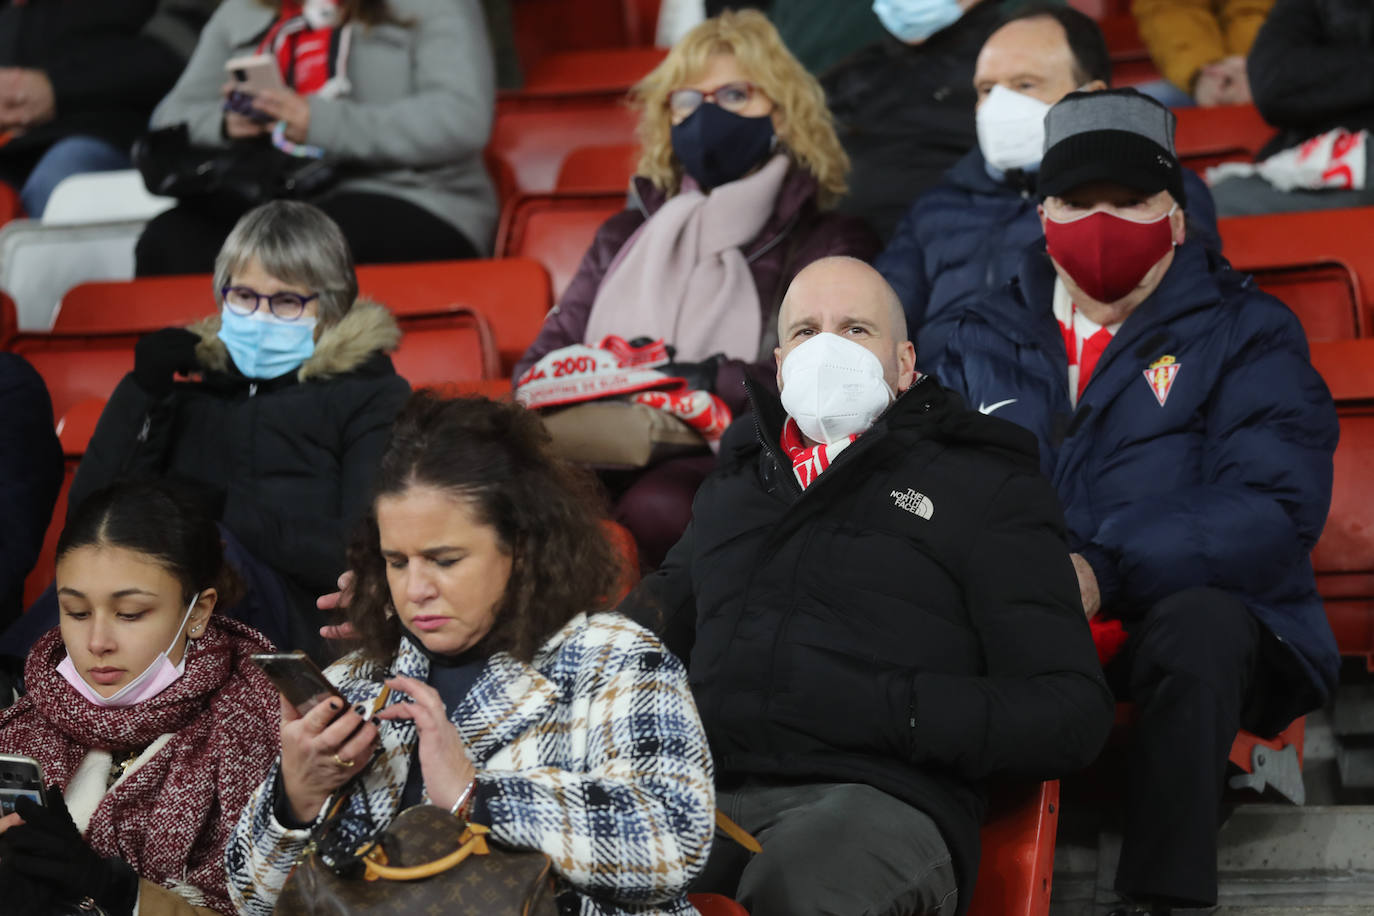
x,y
255,72
20,777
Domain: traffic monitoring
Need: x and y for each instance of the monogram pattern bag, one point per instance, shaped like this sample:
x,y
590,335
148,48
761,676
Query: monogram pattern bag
x,y
426,862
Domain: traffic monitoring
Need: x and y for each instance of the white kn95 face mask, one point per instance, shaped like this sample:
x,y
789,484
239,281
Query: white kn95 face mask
x,y
833,388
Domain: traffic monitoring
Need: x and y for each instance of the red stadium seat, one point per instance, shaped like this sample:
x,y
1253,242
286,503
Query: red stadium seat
x,y
9,320
446,346
1017,864
512,293
625,546
1325,297
135,306
601,169
607,72
555,230
1131,62
528,147
715,905
77,367
41,576
546,26
77,425
1335,241
1224,133
1344,557
10,207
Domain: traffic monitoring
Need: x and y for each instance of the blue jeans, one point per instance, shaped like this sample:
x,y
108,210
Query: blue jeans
x,y
69,156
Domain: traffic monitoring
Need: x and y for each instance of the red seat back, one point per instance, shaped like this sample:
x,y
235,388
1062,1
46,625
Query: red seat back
x,y
10,207
512,293
1131,62
1326,239
555,230
1325,297
140,305
1222,133
716,905
528,146
41,576
9,320
1017,865
1344,556
600,169
77,367
609,72
446,346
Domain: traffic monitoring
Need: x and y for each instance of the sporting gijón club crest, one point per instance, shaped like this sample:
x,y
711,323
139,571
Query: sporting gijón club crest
x,y
1161,375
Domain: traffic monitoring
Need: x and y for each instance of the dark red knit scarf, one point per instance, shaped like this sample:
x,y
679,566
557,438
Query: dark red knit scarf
x,y
171,818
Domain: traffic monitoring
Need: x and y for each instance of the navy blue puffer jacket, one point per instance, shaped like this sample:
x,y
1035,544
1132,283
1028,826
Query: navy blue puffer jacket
x,y
1224,480
962,240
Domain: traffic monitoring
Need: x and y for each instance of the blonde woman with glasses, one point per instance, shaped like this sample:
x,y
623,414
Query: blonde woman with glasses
x,y
739,171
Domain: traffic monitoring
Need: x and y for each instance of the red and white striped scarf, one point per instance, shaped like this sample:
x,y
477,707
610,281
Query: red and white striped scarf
x,y
808,461
171,818
313,58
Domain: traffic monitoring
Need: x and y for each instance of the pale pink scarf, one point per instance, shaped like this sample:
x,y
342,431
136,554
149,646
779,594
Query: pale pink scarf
x,y
683,278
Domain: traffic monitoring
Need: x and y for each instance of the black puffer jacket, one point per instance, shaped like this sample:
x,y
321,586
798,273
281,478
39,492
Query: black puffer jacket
x,y
905,114
294,456
30,477
910,621
1311,69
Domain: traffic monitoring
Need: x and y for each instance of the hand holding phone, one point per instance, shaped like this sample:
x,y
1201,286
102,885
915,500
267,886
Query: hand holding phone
x,y
20,777
300,680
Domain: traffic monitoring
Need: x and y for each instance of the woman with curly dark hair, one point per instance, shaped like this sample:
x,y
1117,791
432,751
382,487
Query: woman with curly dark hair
x,y
483,582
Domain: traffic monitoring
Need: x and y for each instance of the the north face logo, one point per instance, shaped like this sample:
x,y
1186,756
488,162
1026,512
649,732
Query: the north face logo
x,y
913,502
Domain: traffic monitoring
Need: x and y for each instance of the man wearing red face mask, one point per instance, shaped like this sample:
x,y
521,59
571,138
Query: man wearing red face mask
x,y
1190,441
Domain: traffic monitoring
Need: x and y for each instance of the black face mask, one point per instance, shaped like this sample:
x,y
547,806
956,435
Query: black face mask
x,y
716,146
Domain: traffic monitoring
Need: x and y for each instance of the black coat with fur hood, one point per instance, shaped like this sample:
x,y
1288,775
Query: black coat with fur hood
x,y
293,457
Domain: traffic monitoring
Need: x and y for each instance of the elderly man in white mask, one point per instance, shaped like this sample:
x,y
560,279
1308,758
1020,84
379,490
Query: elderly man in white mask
x,y
963,238
879,613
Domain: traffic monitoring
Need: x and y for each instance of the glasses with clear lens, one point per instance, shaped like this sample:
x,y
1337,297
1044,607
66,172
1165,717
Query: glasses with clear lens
x,y
732,97
244,300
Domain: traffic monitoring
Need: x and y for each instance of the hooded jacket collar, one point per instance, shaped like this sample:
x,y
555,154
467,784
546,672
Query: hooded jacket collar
x,y
971,174
366,330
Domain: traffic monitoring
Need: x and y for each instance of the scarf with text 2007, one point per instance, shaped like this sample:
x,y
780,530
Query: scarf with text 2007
x,y
808,461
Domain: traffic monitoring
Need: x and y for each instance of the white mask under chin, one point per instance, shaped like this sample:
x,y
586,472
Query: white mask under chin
x,y
1011,129
834,388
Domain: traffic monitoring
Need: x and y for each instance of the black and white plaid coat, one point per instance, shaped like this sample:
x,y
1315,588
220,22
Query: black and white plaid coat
x,y
594,754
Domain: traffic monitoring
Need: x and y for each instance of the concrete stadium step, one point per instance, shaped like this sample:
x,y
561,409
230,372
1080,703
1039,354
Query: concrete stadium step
x,y
1272,859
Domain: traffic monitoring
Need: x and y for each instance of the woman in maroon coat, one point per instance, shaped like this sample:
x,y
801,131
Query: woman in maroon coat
x,y
739,170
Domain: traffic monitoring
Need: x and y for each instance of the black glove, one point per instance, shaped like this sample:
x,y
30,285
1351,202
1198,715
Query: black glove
x,y
700,376
47,849
160,355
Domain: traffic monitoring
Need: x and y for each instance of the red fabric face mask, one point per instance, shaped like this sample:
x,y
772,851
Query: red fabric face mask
x,y
1108,255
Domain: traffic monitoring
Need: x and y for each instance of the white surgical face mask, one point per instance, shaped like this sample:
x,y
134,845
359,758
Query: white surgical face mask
x,y
1011,129
156,678
833,388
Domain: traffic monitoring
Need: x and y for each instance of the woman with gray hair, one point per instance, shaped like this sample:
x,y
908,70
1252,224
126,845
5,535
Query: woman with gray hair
x,y
283,417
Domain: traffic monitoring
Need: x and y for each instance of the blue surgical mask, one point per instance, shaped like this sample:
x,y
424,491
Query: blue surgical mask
x,y
717,147
914,21
264,346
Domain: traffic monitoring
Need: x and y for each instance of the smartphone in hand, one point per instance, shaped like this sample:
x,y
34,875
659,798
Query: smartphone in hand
x,y
20,777
299,679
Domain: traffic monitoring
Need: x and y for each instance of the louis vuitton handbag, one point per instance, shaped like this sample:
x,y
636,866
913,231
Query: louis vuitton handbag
x,y
426,861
